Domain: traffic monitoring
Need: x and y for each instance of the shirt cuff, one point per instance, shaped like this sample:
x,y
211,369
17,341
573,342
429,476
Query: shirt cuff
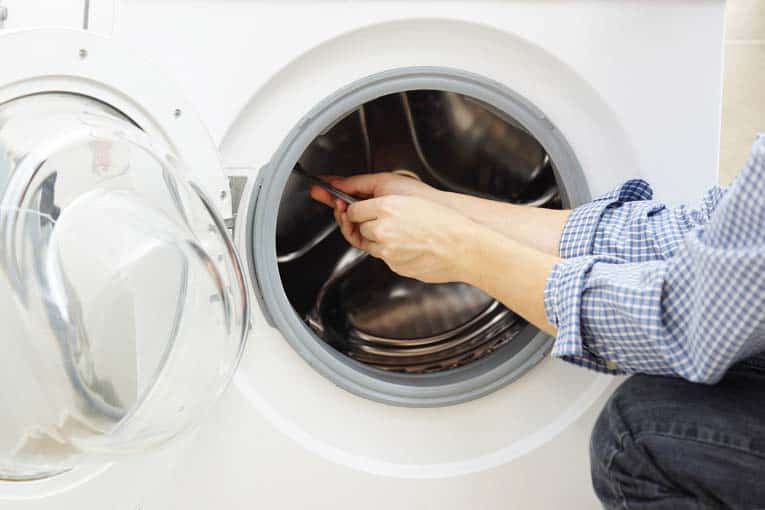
x,y
578,236
563,302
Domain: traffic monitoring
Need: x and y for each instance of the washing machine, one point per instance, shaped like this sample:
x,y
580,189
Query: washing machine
x,y
158,242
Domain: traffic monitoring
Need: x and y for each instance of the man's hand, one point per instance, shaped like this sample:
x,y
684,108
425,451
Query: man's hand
x,y
416,238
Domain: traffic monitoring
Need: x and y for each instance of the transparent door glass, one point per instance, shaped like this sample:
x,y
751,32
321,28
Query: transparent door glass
x,y
123,306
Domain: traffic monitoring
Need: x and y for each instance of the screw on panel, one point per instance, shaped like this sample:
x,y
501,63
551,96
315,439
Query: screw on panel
x,y
83,53
177,113
3,15
223,195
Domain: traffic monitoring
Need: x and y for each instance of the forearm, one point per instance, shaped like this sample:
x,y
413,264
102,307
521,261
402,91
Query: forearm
x,y
511,272
534,227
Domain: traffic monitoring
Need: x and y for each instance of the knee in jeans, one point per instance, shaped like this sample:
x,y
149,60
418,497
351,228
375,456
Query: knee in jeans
x,y
612,434
613,423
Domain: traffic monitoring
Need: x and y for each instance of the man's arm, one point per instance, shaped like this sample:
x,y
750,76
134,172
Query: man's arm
x,y
420,239
629,225
534,227
512,273
692,316
624,223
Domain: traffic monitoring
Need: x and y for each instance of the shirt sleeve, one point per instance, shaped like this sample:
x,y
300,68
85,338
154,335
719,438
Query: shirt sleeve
x,y
629,225
690,315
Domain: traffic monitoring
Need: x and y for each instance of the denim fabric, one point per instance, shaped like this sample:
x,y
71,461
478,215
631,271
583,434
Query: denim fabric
x,y
666,443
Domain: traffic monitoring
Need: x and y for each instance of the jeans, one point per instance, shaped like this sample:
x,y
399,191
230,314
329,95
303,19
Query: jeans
x,y
664,443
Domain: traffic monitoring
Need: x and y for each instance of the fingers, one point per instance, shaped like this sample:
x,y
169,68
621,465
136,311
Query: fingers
x,y
374,249
321,195
368,229
365,210
360,185
349,230
356,221
359,236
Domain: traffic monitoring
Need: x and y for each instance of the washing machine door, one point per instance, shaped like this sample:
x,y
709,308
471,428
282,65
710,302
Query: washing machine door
x,y
122,302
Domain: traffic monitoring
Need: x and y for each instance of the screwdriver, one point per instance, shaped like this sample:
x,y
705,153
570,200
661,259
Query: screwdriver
x,y
345,197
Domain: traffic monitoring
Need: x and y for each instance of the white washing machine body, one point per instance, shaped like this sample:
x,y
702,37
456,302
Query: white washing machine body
x,y
630,88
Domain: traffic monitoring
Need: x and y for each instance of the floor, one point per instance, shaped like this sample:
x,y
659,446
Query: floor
x,y
743,111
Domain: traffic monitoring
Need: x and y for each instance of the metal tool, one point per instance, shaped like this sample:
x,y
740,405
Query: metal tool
x,y
345,197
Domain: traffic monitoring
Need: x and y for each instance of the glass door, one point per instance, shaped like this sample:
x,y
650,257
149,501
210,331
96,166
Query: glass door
x,y
123,307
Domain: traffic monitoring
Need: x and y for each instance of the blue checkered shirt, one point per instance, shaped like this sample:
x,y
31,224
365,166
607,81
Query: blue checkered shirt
x,y
674,291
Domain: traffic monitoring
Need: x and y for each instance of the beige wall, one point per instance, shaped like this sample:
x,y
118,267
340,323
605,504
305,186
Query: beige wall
x,y
743,112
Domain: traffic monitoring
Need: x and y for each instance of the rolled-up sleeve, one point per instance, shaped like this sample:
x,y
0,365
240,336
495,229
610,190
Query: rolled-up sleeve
x,y
629,225
587,221
691,310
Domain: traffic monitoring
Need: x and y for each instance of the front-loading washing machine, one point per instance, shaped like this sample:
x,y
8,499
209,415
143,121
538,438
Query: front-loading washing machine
x,y
356,387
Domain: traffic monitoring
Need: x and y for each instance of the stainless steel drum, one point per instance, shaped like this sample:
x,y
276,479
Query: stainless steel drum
x,y
354,302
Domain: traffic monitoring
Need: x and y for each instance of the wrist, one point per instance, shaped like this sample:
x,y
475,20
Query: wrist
x,y
466,205
475,245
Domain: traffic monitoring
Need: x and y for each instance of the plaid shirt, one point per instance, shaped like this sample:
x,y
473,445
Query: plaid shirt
x,y
673,291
